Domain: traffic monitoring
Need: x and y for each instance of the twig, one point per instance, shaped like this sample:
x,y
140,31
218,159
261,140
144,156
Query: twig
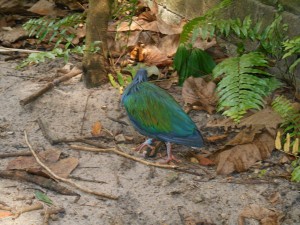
x,y
41,181
74,72
118,152
67,181
15,154
36,206
51,211
84,112
3,49
88,180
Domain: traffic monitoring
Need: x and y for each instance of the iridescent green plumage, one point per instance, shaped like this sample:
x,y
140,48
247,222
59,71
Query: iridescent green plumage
x,y
156,114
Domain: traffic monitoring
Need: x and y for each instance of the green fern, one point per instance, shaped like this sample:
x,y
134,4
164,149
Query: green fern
x,y
244,85
290,115
194,23
39,57
55,29
292,47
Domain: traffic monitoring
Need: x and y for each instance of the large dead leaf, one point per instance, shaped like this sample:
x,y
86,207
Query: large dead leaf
x,y
246,136
263,215
150,55
169,44
50,158
240,157
266,117
198,92
45,8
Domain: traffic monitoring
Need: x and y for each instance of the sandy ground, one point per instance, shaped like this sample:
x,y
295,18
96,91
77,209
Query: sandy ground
x,y
147,195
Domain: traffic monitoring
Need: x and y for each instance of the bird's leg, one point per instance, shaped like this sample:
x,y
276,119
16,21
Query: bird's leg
x,y
170,155
147,143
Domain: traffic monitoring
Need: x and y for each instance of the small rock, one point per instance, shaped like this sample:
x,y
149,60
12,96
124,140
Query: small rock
x,y
120,138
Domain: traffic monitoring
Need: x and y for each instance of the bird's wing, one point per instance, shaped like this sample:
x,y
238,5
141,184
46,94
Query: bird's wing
x,y
156,112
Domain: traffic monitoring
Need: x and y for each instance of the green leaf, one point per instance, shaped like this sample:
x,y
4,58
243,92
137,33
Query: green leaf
x,y
43,197
243,85
296,174
112,81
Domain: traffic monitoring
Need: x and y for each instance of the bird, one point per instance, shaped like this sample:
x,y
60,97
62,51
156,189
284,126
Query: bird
x,y
154,113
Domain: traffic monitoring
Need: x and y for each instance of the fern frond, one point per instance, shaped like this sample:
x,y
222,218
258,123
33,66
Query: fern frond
x,y
54,28
290,115
292,47
191,25
241,88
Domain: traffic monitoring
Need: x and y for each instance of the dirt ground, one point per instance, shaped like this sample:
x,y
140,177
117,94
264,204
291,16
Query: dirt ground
x,y
147,195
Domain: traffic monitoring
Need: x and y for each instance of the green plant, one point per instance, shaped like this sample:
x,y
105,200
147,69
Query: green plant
x,y
290,115
194,62
244,84
296,172
60,30
292,47
125,10
189,27
38,57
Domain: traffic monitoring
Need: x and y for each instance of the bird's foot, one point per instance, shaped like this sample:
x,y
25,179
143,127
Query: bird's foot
x,y
147,143
170,159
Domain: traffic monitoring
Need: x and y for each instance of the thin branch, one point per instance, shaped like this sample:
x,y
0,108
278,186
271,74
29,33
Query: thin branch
x,y
67,181
3,49
118,152
15,154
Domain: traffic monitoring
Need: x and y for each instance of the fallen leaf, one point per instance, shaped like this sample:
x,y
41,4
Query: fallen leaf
x,y
196,91
263,215
275,198
43,197
216,138
169,44
64,167
45,8
50,158
96,129
150,55
245,136
4,214
241,157
266,117
203,161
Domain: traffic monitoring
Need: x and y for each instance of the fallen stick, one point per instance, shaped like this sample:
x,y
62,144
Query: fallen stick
x,y
15,154
3,49
74,72
36,206
118,152
67,181
41,181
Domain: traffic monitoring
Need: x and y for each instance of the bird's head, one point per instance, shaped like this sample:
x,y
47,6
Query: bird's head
x,y
141,76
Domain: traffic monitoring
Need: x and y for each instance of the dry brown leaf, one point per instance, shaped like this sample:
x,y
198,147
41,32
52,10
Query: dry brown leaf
x,y
147,16
275,198
240,157
263,215
216,138
25,163
45,8
169,44
136,25
196,91
150,55
203,161
64,167
266,117
96,129
245,136
4,214
50,158
204,44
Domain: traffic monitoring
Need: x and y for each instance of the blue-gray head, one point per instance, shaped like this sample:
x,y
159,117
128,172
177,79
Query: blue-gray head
x,y
141,76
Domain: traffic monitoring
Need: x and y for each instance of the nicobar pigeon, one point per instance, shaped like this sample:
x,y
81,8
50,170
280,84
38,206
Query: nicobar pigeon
x,y
155,113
